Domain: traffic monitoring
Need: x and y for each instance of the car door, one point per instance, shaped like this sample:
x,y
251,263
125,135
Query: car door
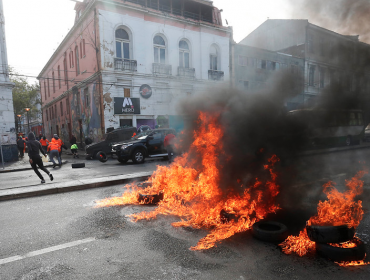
x,y
155,142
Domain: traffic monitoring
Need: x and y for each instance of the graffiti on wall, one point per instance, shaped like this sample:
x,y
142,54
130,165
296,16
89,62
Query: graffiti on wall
x,y
86,114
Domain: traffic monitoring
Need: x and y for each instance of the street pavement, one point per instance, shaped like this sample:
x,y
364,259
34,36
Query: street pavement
x,y
18,180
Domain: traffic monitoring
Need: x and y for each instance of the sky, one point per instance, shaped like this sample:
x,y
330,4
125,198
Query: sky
x,y
35,28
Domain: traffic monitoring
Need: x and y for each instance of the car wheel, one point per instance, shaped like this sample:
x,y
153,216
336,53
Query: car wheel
x,y
270,231
349,140
121,160
138,156
330,234
101,156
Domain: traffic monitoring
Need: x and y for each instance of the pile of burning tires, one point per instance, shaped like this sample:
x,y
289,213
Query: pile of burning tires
x,y
337,243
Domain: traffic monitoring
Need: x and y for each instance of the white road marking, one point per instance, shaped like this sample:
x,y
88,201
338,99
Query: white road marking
x,y
46,250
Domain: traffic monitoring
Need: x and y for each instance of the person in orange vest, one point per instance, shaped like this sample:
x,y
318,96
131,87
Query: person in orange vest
x,y
54,149
60,143
44,143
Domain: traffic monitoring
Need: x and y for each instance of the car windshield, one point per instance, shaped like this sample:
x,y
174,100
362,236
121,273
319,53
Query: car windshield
x,y
141,135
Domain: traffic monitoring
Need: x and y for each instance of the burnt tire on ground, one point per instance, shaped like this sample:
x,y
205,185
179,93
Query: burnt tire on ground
x,y
330,234
270,231
78,165
150,199
101,156
342,254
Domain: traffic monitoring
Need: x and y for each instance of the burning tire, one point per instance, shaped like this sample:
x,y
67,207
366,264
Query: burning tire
x,y
78,165
330,234
330,251
150,199
101,156
270,231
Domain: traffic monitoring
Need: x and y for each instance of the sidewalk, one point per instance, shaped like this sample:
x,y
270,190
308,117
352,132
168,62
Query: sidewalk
x,y
67,184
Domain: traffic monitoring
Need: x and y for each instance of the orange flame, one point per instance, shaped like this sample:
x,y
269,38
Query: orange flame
x,y
353,263
339,209
192,192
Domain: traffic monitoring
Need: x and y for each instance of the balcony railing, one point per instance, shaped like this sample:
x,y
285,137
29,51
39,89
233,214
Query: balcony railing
x,y
215,75
125,64
186,72
162,69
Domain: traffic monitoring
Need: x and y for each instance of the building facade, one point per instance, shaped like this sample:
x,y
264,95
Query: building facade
x,y
7,120
327,56
131,63
254,68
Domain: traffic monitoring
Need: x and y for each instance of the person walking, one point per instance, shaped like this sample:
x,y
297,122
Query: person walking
x,y
54,149
34,149
21,144
44,143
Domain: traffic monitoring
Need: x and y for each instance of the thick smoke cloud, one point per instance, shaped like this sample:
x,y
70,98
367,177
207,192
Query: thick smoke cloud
x,y
347,17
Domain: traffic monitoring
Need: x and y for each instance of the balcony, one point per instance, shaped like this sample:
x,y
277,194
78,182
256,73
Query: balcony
x,y
125,64
186,72
162,69
215,75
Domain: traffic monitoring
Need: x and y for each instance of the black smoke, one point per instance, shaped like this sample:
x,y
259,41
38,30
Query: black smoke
x,y
342,16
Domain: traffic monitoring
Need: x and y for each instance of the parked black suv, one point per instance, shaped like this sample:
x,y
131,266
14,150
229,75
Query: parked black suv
x,y
115,136
145,144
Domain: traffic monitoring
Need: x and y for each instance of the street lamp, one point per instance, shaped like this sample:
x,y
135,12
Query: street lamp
x,y
28,120
19,123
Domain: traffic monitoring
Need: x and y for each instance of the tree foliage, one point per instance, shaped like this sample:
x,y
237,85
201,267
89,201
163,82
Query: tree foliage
x,y
25,95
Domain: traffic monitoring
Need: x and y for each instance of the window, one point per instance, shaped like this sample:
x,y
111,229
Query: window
x,y
65,72
59,82
310,43
311,76
159,50
263,64
322,77
52,75
213,58
45,88
77,61
83,46
184,54
243,60
46,114
55,110
52,113
48,88
67,105
70,61
86,97
122,44
61,108
81,49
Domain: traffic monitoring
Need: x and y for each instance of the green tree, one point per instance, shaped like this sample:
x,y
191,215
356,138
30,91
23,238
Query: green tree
x,y
25,95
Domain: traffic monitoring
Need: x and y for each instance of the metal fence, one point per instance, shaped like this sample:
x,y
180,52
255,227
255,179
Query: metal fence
x,y
163,69
186,72
215,75
125,64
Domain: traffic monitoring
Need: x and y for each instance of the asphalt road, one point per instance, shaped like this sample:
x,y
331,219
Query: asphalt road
x,y
64,237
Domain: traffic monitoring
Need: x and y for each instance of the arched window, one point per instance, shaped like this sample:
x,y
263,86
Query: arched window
x,y
184,54
213,58
122,44
159,49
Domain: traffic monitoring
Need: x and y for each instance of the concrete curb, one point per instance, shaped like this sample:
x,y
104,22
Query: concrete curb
x,y
54,188
27,168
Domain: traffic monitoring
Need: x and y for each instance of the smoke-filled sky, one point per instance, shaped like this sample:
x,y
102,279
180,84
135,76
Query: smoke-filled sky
x,y
35,28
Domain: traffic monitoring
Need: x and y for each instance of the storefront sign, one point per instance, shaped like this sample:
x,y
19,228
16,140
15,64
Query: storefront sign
x,y
145,91
126,105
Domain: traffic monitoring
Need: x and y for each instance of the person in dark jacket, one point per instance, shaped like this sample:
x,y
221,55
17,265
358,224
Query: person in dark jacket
x,y
21,144
34,149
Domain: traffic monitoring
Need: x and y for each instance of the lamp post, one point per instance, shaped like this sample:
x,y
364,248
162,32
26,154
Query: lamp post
x,y
19,123
28,120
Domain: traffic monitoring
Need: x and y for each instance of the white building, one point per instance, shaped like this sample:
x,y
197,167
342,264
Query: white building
x,y
7,122
154,52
